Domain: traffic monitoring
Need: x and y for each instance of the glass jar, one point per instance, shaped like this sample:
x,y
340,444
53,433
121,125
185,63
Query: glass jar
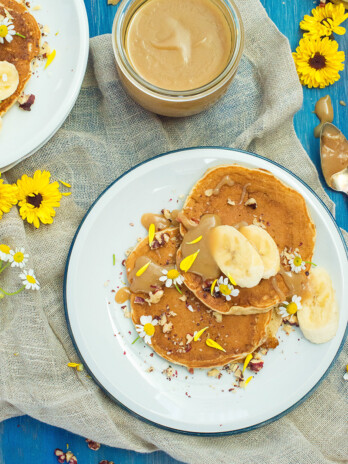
x,y
170,102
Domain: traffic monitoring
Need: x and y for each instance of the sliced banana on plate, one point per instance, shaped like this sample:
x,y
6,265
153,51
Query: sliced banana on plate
x,y
319,315
9,79
235,256
266,248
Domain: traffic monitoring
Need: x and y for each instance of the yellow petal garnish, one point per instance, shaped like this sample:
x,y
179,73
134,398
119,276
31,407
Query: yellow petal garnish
x,y
198,334
247,381
66,194
50,58
213,287
247,361
152,230
233,282
65,183
187,262
78,367
213,344
142,269
196,240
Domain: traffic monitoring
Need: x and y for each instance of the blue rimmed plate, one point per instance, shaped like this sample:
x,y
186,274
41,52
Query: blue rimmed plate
x,y
103,336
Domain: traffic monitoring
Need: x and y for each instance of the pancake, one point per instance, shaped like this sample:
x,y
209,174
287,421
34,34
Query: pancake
x,y
21,51
256,197
172,339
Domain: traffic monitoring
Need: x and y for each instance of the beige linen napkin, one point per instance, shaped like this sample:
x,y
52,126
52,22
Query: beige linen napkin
x,y
106,134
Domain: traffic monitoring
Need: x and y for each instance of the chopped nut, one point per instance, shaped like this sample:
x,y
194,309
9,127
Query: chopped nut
x,y
167,327
189,338
230,202
257,355
208,192
234,367
343,103
259,223
287,328
139,300
167,214
251,202
213,373
58,452
154,297
172,313
73,460
68,456
26,101
183,297
129,251
255,365
238,373
291,320
218,316
163,319
264,351
150,369
93,445
169,372
127,314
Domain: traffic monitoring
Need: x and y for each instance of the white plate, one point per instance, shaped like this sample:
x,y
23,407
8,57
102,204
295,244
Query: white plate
x,y
55,88
188,403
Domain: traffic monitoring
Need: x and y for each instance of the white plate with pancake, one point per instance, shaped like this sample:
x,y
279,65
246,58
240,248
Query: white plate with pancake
x,y
103,336
55,88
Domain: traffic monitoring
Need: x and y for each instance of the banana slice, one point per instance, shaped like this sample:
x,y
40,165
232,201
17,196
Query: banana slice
x,y
235,256
318,317
9,79
266,248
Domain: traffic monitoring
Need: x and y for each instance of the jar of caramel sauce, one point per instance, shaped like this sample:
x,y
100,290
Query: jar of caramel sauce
x,y
177,57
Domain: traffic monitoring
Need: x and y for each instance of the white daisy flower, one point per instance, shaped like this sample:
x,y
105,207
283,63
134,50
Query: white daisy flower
x,y
297,264
29,280
146,328
7,30
18,258
171,277
290,307
5,252
225,288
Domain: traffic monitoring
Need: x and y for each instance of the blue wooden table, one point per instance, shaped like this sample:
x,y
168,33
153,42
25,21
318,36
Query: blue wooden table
x,y
24,440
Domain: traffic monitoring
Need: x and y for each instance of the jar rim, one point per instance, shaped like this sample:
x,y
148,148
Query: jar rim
x,y
123,62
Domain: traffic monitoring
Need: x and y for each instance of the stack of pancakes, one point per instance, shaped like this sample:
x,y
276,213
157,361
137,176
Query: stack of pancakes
x,y
246,322
22,49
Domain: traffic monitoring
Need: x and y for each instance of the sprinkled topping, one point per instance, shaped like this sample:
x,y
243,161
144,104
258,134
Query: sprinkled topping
x,y
213,344
142,269
64,183
196,240
187,262
212,288
152,230
66,194
78,367
247,361
247,381
50,58
198,334
233,282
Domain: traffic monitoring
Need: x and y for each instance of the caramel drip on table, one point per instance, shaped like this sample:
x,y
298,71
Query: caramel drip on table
x,y
148,281
122,295
204,265
324,111
334,153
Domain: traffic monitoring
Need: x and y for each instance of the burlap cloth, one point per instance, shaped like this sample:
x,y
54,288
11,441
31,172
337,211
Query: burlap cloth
x,y
105,134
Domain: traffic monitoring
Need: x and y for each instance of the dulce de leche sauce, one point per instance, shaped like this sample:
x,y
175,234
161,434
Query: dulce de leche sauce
x,y
178,44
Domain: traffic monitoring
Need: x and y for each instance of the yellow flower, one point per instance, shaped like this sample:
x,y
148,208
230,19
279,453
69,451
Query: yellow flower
x,y
8,197
325,21
37,198
318,62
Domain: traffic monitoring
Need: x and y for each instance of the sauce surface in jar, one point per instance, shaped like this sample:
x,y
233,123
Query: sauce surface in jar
x,y
178,44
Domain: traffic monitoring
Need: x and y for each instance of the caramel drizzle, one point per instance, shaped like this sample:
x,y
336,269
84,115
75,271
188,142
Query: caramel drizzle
x,y
122,295
148,281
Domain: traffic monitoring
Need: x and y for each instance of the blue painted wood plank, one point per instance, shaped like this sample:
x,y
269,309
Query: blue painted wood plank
x,y
24,440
